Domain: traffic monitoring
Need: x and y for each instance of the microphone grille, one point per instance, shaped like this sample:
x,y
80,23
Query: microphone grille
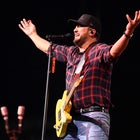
x,y
68,35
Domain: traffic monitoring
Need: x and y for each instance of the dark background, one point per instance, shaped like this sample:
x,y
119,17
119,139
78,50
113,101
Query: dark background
x,y
24,67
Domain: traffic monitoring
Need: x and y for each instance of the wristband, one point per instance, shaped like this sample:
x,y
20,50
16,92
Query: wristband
x,y
128,36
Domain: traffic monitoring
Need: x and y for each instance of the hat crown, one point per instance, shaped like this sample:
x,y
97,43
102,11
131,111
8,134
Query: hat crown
x,y
86,20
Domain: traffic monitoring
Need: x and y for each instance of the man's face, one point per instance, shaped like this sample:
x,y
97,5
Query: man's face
x,y
81,34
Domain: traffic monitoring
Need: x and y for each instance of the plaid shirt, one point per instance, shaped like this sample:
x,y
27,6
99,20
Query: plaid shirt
x,y
94,88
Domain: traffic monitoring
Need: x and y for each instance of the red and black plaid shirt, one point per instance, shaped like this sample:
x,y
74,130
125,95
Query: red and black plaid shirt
x,y
97,70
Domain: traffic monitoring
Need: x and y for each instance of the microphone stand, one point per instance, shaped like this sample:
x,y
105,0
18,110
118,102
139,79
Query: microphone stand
x,y
46,94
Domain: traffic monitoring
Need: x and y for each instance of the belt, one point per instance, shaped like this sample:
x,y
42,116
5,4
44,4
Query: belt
x,y
92,109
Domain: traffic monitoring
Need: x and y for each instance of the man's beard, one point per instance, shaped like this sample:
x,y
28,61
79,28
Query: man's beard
x,y
78,42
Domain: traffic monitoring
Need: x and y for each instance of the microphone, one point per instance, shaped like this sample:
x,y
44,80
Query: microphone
x,y
4,112
20,113
64,36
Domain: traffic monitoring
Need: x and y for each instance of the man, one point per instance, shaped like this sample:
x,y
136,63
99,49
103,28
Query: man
x,y
93,61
